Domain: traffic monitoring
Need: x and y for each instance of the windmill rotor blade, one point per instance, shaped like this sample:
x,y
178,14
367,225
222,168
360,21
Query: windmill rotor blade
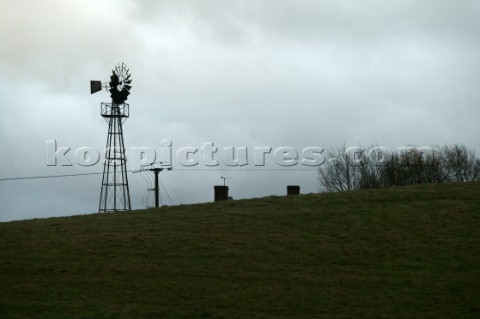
x,y
119,85
123,95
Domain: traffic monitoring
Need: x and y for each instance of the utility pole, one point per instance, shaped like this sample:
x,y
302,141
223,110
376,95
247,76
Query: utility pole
x,y
157,171
224,178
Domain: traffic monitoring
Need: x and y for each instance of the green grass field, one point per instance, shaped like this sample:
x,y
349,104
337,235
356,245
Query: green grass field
x,y
407,252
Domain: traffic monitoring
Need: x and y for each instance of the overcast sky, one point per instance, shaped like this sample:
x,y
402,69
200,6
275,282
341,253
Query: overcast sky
x,y
250,73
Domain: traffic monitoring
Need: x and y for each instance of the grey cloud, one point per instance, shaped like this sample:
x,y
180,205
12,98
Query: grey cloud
x,y
325,20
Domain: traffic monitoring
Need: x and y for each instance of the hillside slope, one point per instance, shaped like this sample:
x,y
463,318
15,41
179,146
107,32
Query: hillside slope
x,y
410,252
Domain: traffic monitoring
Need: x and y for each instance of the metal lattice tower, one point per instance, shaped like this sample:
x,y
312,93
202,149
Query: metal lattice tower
x,y
115,194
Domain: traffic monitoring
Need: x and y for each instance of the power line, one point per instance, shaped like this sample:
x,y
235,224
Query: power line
x,y
46,176
166,192
179,169
241,169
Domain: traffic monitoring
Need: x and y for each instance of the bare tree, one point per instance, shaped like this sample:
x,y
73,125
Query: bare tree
x,y
339,173
354,168
460,163
373,167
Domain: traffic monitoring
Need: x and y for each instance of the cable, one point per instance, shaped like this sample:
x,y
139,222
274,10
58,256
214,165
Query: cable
x,y
240,169
178,169
46,176
146,179
168,195
144,198
149,201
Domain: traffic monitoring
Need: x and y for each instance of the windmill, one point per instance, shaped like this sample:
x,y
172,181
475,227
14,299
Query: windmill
x,y
115,194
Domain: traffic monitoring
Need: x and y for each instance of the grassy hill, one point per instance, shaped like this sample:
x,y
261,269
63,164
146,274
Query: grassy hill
x,y
410,252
